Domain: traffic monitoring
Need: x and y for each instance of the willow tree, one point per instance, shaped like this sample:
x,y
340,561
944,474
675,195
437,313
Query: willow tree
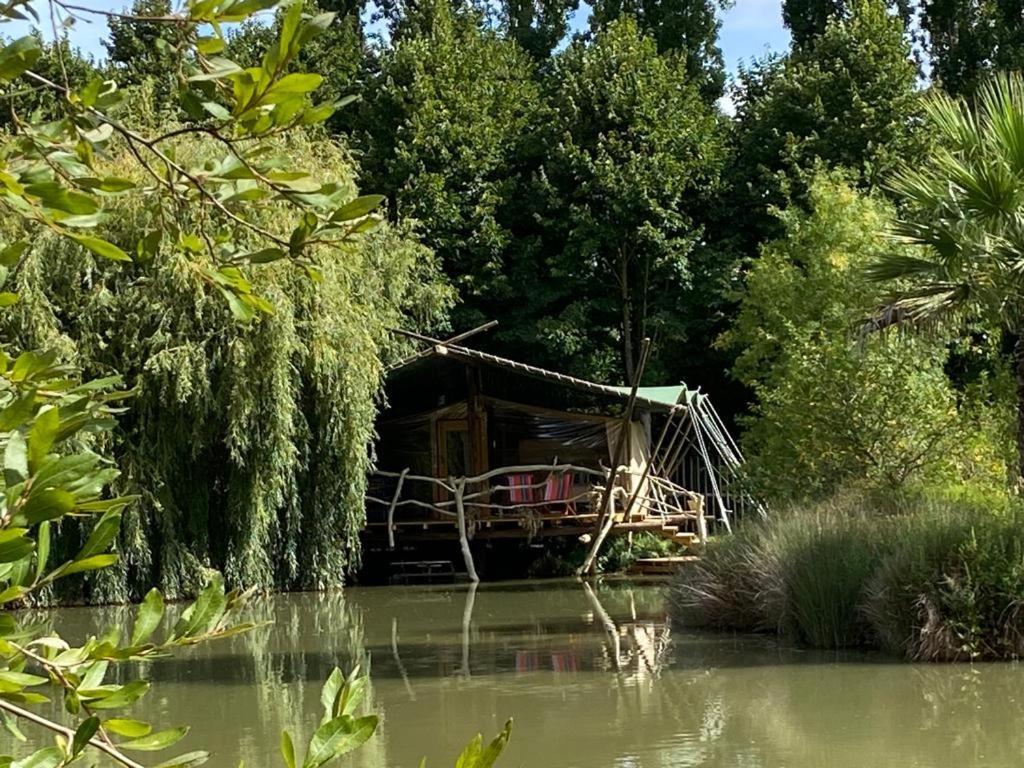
x,y
246,441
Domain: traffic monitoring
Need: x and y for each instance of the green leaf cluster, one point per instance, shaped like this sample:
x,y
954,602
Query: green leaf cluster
x,y
835,406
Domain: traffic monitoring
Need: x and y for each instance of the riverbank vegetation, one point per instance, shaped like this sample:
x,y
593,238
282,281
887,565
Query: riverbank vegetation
x,y
922,578
893,459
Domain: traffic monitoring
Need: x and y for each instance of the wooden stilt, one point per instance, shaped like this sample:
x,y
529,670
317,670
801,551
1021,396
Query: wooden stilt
x,y
702,523
607,507
391,509
460,508
467,623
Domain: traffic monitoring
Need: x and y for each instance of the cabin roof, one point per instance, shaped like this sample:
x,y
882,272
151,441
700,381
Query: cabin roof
x,y
661,398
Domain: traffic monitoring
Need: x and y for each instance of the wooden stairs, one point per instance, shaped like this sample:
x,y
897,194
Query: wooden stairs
x,y
672,528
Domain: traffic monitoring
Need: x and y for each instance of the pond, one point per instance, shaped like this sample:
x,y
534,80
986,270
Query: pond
x,y
593,677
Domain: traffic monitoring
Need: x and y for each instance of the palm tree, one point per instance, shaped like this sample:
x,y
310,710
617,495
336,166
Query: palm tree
x,y
963,216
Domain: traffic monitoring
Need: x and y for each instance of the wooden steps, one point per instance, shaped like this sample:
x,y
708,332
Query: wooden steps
x,y
671,530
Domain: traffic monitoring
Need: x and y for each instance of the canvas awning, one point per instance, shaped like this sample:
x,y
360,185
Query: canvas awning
x,y
677,394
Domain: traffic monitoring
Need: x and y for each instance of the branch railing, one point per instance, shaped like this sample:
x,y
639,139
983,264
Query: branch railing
x,y
490,495
479,492
400,491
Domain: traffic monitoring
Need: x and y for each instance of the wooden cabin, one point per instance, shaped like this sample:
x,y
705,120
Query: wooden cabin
x,y
476,446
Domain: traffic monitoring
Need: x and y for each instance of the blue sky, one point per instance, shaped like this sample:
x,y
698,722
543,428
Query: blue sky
x,y
751,28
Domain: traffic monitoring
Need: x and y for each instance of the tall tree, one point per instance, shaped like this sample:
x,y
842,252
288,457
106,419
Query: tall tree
x,y
807,19
538,25
968,38
687,27
632,149
441,127
139,49
965,210
848,99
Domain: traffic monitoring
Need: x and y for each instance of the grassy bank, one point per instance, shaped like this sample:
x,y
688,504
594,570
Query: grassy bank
x,y
923,578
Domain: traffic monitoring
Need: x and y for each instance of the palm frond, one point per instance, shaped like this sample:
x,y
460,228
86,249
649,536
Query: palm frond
x,y
900,265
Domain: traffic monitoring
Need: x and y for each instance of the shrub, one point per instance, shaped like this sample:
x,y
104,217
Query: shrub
x,y
920,576
800,574
727,587
951,587
622,551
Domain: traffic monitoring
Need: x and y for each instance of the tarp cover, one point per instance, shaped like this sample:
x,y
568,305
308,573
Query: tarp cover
x,y
671,395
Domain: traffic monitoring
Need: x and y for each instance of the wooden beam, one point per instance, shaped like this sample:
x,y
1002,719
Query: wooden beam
x,y
391,508
606,521
467,553
433,342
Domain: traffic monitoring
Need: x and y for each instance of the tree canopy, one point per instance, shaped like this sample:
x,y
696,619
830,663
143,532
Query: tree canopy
x,y
687,28
632,148
440,131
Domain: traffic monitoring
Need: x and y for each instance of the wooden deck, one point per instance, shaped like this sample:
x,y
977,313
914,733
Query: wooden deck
x,y
531,502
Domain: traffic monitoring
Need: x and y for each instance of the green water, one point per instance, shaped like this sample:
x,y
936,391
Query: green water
x,y
592,678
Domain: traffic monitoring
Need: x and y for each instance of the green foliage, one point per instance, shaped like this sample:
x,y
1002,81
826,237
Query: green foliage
x,y
807,19
443,124
967,41
687,28
538,26
622,551
338,54
801,574
246,443
632,152
847,99
950,586
963,213
833,406
139,50
965,209
37,104
50,479
938,580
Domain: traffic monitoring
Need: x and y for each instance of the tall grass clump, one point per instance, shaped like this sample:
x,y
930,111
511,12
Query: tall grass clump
x,y
799,574
925,578
951,587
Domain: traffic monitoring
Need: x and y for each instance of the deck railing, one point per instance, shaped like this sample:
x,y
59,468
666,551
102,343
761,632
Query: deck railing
x,y
536,491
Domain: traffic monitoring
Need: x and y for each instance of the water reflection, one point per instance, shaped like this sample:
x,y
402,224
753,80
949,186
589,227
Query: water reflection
x,y
593,677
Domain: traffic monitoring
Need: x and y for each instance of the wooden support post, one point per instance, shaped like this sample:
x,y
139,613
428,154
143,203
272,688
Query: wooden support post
x,y
607,505
702,523
467,623
391,508
467,554
476,423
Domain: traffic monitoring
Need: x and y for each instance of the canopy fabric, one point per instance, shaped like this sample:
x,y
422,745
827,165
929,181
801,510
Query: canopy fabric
x,y
676,394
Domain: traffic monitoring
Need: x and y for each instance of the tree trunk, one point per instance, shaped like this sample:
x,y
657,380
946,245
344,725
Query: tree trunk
x,y
629,363
1018,369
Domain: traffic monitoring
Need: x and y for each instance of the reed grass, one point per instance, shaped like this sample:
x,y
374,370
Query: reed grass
x,y
925,578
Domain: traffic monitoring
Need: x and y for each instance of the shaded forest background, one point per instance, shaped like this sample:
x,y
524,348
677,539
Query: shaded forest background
x,y
584,190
